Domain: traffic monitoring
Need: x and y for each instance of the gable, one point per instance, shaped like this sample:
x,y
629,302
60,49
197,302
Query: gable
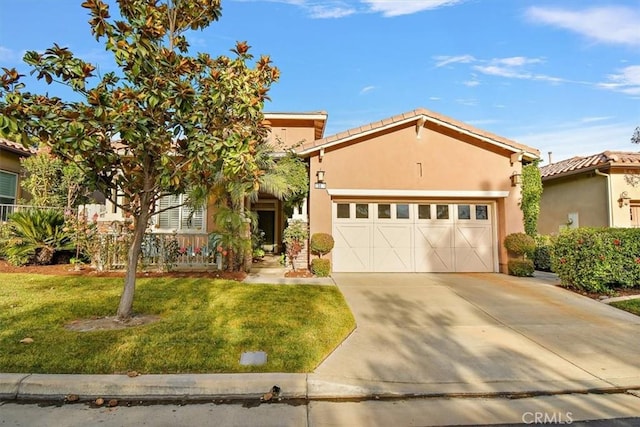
x,y
419,119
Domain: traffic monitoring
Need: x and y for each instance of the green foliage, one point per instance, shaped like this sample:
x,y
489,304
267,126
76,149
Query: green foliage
x,y
294,237
35,236
321,267
542,253
53,183
321,244
4,238
521,267
598,260
233,239
292,170
531,194
520,244
182,121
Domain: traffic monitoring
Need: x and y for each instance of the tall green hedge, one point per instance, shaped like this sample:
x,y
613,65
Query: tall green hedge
x,y
598,259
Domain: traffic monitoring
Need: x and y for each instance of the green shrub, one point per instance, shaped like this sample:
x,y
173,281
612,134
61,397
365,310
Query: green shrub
x,y
321,244
598,259
520,244
542,253
321,267
4,238
35,236
521,267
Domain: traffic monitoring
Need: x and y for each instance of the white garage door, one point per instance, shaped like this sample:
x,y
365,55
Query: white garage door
x,y
413,237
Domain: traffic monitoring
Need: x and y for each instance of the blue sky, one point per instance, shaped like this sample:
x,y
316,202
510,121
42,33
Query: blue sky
x,y
559,75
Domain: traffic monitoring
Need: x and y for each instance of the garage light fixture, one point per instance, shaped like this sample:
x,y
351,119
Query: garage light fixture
x,y
516,179
320,184
624,199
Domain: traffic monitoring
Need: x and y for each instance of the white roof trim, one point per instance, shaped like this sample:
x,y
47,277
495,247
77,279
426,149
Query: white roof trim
x,y
421,117
306,116
358,135
417,193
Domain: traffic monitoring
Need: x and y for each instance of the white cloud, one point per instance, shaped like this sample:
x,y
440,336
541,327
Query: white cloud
x,y
610,24
390,8
366,89
627,81
460,59
471,83
8,55
323,11
467,102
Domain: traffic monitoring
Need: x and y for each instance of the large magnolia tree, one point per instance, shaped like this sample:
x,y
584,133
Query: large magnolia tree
x,y
164,123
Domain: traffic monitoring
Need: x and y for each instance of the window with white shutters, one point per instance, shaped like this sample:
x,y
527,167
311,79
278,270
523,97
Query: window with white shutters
x,y
179,217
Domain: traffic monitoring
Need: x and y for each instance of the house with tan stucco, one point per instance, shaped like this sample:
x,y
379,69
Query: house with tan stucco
x,y
416,192
600,190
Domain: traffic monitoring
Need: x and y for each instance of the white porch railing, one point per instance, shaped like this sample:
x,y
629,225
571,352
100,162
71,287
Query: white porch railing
x,y
160,251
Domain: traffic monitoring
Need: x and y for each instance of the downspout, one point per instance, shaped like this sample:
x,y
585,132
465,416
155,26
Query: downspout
x,y
609,205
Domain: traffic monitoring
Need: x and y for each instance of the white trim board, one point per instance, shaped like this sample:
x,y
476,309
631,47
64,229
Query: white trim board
x,y
417,193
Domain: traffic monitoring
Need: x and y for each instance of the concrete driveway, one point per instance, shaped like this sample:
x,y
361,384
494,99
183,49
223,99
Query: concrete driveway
x,y
477,333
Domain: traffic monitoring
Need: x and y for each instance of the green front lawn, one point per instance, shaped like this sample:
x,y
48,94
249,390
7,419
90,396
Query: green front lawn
x,y
205,325
631,305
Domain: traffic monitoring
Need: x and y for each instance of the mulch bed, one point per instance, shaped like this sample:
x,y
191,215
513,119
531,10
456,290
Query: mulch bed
x,y
70,270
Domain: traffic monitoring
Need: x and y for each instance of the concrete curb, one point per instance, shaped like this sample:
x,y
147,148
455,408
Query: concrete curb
x,y
250,387
616,299
150,387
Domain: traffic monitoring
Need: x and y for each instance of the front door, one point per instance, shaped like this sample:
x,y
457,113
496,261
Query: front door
x,y
267,223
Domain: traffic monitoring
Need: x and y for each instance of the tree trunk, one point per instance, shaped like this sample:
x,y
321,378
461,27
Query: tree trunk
x,y
126,300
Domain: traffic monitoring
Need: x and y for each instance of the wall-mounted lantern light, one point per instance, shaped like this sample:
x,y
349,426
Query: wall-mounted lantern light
x,y
516,179
624,199
320,184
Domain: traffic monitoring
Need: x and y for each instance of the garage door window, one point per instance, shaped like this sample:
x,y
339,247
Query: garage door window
x,y
424,211
384,211
482,212
362,210
402,211
464,212
442,211
343,210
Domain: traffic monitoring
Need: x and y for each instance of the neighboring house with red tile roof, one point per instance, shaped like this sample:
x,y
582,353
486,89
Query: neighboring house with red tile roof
x,y
10,170
600,190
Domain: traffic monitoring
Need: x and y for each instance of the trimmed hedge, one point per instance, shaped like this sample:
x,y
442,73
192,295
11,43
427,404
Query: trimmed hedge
x,y
321,267
520,244
598,259
542,253
321,244
520,267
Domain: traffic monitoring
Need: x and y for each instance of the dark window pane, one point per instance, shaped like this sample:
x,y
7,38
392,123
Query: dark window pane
x,y
402,211
424,211
464,212
442,211
384,211
482,212
343,210
362,210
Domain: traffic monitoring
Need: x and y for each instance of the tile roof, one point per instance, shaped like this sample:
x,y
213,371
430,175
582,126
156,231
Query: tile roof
x,y
416,115
16,147
579,164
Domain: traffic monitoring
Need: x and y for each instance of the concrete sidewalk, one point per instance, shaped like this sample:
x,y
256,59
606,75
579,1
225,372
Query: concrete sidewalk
x,y
419,335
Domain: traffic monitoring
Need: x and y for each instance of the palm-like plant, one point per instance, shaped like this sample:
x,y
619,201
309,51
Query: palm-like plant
x,y
35,236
